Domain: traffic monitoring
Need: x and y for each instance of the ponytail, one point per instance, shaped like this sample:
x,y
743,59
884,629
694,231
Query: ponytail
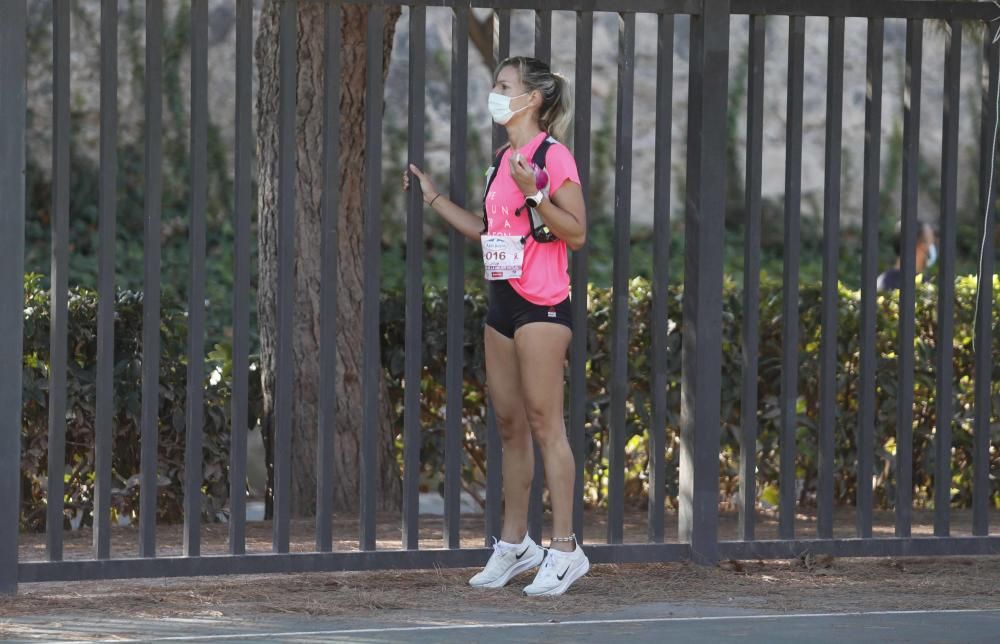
x,y
556,116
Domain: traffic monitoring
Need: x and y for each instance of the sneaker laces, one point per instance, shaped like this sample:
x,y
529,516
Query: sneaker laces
x,y
549,569
548,563
499,549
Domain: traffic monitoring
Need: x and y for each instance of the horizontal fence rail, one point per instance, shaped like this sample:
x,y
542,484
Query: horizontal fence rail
x,y
695,457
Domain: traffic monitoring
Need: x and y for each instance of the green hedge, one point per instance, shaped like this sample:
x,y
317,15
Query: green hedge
x,y
127,374
638,404
81,404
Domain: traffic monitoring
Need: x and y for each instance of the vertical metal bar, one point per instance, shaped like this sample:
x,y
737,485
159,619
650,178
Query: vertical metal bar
x,y
494,477
869,268
946,278
414,284
751,277
13,111
543,51
661,273
981,486
456,276
501,51
494,447
579,268
831,297
790,291
907,294
58,337
193,475
543,35
702,324
330,245
287,37
151,279
372,261
241,278
619,310
535,506
108,205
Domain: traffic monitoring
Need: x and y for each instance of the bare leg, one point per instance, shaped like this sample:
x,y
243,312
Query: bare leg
x,y
504,383
541,352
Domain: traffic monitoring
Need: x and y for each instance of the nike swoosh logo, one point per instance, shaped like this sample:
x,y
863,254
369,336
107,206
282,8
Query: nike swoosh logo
x,y
560,577
526,548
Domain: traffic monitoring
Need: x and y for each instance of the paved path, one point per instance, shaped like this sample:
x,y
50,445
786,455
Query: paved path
x,y
646,623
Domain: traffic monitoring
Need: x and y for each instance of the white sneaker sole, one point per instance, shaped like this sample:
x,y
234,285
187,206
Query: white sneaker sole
x,y
571,576
513,571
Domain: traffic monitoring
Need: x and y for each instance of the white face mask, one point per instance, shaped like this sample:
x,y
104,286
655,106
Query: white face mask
x,y
499,107
932,255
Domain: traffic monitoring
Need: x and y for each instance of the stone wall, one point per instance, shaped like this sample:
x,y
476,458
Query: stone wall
x,y
85,92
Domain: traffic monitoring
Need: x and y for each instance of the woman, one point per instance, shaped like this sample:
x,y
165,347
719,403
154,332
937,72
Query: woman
x,y
528,325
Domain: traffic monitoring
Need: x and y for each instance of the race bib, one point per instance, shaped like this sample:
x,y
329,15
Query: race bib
x,y
503,256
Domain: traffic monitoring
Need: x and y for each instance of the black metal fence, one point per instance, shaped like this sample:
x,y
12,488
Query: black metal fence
x,y
702,307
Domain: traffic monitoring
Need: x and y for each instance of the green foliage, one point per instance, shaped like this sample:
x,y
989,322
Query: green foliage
x,y
81,396
176,197
81,410
638,406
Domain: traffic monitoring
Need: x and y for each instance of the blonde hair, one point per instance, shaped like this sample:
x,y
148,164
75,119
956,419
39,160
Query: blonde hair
x,y
557,110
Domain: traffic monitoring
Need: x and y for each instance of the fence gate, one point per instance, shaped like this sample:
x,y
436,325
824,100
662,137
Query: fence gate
x,y
710,32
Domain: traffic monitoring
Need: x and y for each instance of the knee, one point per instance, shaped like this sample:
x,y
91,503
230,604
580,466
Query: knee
x,y
512,428
546,426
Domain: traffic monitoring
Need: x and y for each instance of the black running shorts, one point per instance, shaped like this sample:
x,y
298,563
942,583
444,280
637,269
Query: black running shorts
x,y
508,311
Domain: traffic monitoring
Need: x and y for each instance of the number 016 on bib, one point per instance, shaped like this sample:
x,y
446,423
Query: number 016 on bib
x,y
503,256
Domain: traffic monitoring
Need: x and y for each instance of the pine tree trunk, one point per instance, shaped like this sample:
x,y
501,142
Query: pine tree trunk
x,y
309,133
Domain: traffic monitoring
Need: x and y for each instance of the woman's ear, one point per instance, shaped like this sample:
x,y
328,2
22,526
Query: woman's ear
x,y
535,94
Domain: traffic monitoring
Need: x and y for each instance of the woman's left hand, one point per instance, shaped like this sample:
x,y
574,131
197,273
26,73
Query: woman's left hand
x,y
523,174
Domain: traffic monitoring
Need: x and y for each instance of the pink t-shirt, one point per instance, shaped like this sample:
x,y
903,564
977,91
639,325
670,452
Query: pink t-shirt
x,y
545,276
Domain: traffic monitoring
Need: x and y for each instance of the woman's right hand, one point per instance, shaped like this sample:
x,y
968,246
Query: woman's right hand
x,y
426,184
465,222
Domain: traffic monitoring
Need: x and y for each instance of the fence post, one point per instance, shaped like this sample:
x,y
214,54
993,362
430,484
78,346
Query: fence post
x,y
13,108
701,360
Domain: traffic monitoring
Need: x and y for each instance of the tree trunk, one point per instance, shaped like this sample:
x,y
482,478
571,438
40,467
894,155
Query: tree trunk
x,y
308,187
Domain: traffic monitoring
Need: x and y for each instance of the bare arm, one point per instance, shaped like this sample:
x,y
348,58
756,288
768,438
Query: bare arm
x,y
464,221
565,214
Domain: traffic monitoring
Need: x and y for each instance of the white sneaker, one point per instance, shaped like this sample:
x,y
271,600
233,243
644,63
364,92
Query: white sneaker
x,y
558,572
507,561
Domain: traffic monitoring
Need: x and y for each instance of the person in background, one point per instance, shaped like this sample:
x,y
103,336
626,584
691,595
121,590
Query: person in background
x,y
926,256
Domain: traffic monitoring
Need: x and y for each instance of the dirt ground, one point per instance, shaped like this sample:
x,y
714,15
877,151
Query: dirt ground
x,y
825,584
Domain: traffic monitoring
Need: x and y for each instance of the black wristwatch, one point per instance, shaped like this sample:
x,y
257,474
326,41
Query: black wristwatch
x,y
535,200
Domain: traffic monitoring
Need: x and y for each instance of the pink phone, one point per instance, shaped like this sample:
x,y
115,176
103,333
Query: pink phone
x,y
541,177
